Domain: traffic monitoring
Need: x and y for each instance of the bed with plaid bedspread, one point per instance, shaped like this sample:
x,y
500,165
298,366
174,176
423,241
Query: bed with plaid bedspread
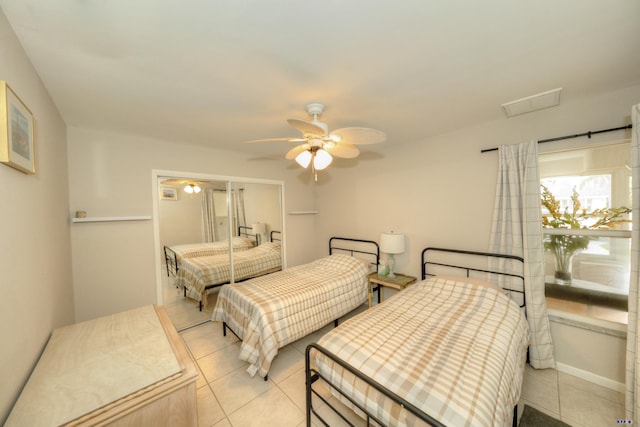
x,y
455,350
270,312
193,250
198,274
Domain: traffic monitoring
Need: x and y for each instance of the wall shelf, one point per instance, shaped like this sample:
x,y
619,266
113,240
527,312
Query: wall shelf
x,y
112,218
303,212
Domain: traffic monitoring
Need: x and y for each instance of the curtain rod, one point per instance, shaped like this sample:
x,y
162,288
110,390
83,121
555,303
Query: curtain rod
x,y
578,135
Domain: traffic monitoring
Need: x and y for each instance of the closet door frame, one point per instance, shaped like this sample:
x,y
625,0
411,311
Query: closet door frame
x,y
156,174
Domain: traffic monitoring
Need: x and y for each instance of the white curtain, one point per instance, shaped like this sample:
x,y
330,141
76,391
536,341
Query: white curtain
x,y
209,225
633,349
239,217
517,230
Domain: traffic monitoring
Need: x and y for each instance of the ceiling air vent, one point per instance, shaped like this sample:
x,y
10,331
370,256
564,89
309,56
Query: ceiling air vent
x,y
531,103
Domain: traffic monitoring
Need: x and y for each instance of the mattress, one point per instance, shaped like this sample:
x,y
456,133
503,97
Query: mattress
x,y
197,274
191,250
270,312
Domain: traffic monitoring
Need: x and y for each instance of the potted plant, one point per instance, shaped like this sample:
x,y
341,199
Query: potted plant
x,y
565,246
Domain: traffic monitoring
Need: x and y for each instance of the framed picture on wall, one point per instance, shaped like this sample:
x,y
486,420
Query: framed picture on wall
x,y
168,193
16,137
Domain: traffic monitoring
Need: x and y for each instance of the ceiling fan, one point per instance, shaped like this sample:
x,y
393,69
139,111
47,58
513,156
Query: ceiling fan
x,y
318,146
191,186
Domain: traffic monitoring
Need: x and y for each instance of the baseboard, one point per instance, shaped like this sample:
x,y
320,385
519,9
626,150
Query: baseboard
x,y
591,377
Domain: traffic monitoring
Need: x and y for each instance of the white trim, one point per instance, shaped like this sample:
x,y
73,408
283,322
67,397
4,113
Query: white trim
x,y
587,232
591,377
112,218
303,212
589,323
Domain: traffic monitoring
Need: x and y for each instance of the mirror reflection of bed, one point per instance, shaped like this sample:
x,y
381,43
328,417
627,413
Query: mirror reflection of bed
x,y
199,217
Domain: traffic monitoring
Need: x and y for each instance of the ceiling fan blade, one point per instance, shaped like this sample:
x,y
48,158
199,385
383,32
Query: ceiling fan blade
x,y
173,181
293,153
356,135
180,181
346,151
307,127
277,139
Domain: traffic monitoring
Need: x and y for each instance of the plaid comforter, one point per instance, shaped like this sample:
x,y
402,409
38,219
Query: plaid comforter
x,y
192,250
456,351
272,311
197,273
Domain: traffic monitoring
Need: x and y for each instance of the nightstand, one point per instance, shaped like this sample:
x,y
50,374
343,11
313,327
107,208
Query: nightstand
x,y
400,282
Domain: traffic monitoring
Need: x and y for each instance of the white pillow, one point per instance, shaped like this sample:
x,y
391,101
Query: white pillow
x,y
477,282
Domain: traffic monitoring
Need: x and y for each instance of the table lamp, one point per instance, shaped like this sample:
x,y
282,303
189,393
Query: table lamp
x,y
259,228
391,243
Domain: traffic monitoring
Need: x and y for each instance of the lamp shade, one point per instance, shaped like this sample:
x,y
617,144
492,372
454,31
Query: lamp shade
x,y
322,159
259,228
304,158
391,242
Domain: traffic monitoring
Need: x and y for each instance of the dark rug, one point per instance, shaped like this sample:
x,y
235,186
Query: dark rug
x,y
534,418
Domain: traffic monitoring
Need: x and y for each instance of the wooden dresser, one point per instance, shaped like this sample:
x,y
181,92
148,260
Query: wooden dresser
x,y
128,369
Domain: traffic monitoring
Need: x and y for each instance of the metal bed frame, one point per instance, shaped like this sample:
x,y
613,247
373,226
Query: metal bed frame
x,y
509,267
359,248
171,258
272,238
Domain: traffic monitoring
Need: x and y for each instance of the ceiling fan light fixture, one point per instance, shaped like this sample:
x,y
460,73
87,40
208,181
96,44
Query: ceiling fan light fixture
x,y
304,158
318,146
191,188
321,160
329,145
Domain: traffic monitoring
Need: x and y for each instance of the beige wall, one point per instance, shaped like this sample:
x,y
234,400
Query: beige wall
x,y
588,347
180,220
35,253
110,174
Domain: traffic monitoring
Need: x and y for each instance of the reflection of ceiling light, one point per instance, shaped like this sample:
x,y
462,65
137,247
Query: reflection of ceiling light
x,y
321,160
192,188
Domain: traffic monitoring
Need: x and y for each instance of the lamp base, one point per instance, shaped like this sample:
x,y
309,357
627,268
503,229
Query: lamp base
x,y
392,264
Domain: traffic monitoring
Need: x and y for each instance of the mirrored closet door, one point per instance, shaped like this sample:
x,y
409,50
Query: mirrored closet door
x,y
211,231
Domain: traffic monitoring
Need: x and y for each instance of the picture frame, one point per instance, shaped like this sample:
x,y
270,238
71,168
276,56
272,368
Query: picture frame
x,y
168,193
17,133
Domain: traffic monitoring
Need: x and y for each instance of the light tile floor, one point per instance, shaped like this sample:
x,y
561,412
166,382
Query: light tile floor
x,y
228,396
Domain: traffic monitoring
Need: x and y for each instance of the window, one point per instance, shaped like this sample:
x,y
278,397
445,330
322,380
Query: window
x,y
598,271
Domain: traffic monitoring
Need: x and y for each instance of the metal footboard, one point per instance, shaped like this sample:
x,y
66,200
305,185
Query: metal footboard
x,y
171,259
313,375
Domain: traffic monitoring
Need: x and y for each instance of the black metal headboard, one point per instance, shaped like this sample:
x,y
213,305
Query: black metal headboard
x,y
368,248
507,271
275,236
243,230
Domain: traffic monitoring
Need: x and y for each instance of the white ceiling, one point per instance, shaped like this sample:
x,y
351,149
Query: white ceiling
x,y
218,73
